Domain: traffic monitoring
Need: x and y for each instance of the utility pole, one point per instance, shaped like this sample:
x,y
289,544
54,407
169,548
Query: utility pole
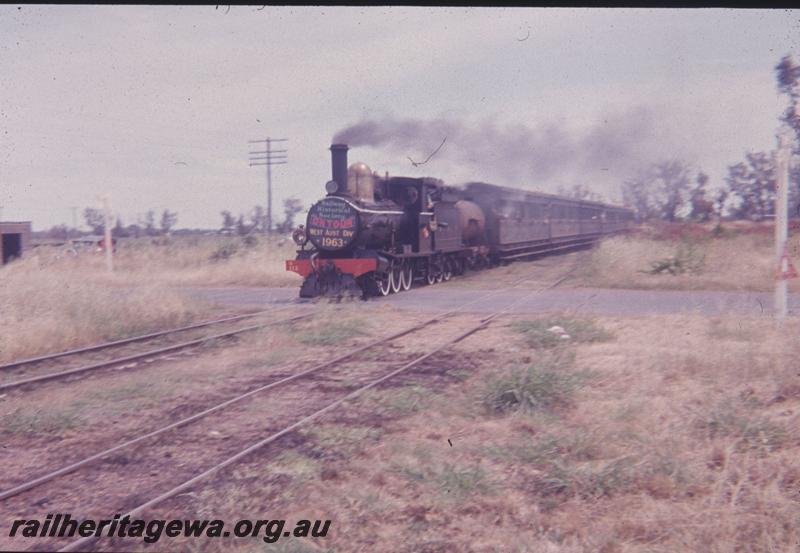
x,y
107,243
268,157
782,224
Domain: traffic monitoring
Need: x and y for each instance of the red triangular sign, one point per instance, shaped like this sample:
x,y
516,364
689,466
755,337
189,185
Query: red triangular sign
x,y
786,269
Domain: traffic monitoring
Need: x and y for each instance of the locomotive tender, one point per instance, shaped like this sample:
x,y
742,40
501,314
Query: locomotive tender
x,y
374,235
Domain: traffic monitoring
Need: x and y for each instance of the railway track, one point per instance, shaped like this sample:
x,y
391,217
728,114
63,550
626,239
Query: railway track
x,y
35,370
349,375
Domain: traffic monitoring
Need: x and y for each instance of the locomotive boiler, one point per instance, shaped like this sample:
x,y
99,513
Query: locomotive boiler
x,y
376,235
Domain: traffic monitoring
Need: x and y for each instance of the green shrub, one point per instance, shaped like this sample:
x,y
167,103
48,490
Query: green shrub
x,y
37,422
460,482
454,481
544,385
752,431
688,258
397,402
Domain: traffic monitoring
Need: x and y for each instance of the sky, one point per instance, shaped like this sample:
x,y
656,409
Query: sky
x,y
154,106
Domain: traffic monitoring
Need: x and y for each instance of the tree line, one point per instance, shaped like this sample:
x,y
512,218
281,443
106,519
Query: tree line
x,y
673,190
256,219
95,220
152,225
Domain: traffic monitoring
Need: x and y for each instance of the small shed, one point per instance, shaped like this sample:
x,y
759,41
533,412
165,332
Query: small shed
x,y
15,238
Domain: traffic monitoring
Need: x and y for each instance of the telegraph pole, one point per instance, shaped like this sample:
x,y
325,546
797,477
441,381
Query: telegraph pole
x,y
782,224
107,241
268,157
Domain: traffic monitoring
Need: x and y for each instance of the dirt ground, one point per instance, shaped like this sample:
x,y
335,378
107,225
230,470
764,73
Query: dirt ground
x,y
634,434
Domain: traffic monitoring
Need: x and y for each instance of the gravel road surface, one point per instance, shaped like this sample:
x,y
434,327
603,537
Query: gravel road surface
x,y
581,300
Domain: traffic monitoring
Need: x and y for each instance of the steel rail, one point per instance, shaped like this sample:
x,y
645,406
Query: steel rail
x,y
555,248
16,490
139,338
97,456
483,323
143,355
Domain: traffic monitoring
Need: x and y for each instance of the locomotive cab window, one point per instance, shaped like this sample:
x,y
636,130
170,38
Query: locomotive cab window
x,y
405,193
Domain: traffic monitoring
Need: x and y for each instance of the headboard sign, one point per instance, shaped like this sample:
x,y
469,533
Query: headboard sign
x,y
332,224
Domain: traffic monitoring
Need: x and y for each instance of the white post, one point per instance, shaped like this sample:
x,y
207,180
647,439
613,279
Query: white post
x,y
781,221
108,247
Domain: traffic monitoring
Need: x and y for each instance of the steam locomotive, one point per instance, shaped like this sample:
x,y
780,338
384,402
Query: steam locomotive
x,y
374,235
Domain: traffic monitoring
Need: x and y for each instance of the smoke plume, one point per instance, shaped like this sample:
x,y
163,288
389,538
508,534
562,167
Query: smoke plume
x,y
541,156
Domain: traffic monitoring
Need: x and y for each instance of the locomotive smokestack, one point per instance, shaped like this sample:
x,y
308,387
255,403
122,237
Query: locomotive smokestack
x,y
339,165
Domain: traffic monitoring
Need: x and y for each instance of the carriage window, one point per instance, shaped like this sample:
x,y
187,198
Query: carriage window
x,y
511,210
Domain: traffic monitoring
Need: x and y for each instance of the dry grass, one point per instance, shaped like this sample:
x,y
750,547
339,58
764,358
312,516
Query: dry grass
x,y
557,331
684,437
189,261
46,309
330,331
737,258
740,257
50,300
211,261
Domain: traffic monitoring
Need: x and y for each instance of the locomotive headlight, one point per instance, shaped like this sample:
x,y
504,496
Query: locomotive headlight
x,y
331,187
299,236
